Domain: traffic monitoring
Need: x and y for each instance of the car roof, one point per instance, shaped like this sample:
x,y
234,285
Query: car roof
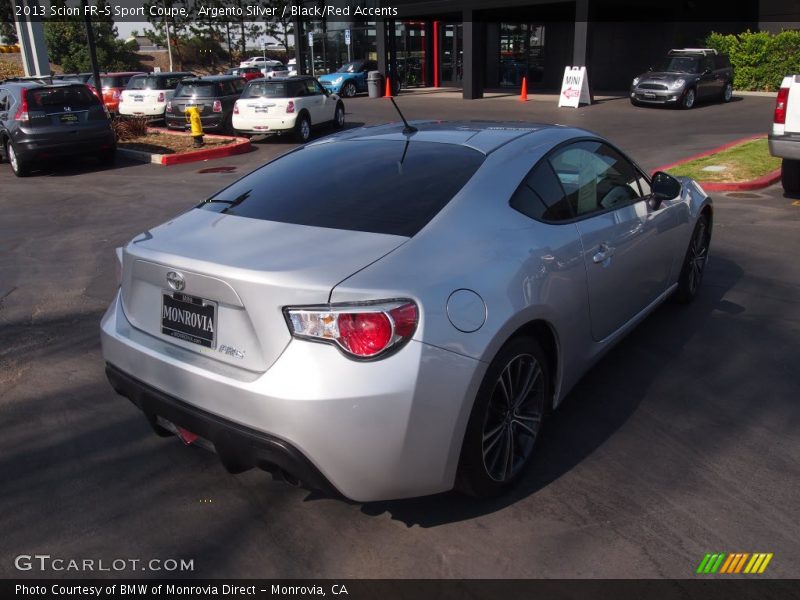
x,y
212,78
123,73
483,136
293,78
165,74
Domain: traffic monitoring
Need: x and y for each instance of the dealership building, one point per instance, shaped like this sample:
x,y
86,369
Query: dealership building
x,y
489,45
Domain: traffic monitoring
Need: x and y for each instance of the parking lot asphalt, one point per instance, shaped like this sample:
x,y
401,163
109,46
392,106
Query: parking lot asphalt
x,y
683,440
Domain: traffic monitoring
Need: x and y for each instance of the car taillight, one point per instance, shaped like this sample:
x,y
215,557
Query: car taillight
x,y
169,107
160,96
780,106
217,106
290,107
236,108
22,112
359,330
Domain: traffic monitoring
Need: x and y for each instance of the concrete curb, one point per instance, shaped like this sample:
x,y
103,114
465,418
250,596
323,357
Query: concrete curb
x,y
240,146
716,186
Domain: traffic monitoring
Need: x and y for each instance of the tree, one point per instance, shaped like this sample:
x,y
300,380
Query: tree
x,y
8,31
276,27
66,42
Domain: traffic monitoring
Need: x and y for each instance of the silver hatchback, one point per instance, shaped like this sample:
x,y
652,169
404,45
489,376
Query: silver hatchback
x,y
391,311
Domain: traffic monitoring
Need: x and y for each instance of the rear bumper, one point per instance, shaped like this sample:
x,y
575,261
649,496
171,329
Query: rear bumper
x,y
785,146
373,431
135,109
264,125
211,122
82,143
239,447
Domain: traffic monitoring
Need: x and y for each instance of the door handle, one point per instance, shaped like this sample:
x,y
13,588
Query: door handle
x,y
604,252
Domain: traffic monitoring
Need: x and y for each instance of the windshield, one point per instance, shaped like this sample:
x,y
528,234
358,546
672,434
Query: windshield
x,y
274,89
401,186
679,64
197,90
351,67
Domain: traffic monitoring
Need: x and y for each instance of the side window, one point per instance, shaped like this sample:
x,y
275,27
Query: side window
x,y
311,87
3,101
708,63
541,196
238,85
595,177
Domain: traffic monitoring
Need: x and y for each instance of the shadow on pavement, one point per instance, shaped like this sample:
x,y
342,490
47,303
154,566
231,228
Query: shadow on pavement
x,y
594,410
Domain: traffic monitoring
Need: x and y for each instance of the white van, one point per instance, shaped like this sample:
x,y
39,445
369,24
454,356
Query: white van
x,y
147,95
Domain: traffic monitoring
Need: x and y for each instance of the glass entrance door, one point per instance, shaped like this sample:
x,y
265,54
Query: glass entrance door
x,y
451,54
521,54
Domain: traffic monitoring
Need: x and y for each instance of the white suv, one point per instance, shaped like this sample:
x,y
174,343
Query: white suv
x,y
784,141
286,105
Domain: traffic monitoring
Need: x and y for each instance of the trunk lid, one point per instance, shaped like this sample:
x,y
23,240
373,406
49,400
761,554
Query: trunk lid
x,y
239,273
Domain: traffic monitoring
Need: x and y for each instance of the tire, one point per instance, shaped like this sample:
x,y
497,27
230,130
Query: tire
x,y
487,468
688,99
18,165
727,92
694,263
790,176
338,116
302,129
635,102
349,89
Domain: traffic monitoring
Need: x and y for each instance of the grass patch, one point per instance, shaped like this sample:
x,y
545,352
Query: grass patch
x,y
742,162
166,143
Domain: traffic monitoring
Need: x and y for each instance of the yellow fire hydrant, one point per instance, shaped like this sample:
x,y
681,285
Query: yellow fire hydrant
x,y
193,118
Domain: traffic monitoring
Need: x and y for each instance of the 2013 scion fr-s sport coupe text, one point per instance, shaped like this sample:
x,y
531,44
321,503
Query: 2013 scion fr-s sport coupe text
x,y
406,335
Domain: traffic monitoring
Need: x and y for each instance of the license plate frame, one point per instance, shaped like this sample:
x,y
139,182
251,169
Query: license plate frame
x,y
68,118
650,95
206,311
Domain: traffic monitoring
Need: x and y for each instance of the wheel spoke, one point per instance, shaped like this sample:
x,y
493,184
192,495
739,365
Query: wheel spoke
x,y
493,435
509,454
534,372
519,422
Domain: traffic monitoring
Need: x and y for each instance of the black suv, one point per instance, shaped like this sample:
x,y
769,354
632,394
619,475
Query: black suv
x,y
40,122
214,96
684,77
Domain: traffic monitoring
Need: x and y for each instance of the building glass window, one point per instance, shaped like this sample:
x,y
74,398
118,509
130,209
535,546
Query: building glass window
x,y
521,54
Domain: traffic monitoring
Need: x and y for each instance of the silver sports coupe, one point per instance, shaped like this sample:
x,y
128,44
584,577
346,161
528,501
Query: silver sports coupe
x,y
390,311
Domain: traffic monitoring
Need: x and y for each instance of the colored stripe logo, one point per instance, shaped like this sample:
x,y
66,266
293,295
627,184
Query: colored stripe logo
x,y
734,563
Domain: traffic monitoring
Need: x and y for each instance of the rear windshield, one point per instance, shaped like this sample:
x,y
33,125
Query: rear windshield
x,y
197,90
274,89
380,186
112,81
160,82
73,96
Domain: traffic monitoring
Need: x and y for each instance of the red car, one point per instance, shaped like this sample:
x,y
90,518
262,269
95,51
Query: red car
x,y
113,84
247,72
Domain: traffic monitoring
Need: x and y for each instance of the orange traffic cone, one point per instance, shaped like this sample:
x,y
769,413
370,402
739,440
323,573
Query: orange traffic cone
x,y
523,95
388,92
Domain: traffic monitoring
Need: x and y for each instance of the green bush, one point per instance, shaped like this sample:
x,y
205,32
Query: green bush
x,y
760,59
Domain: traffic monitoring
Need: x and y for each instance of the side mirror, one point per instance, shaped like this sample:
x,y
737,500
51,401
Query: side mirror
x,y
663,187
707,72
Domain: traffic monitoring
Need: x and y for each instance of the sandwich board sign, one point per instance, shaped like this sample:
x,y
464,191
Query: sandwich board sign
x,y
574,88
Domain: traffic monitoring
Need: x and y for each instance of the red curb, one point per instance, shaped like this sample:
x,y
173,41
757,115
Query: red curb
x,y
241,146
753,184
